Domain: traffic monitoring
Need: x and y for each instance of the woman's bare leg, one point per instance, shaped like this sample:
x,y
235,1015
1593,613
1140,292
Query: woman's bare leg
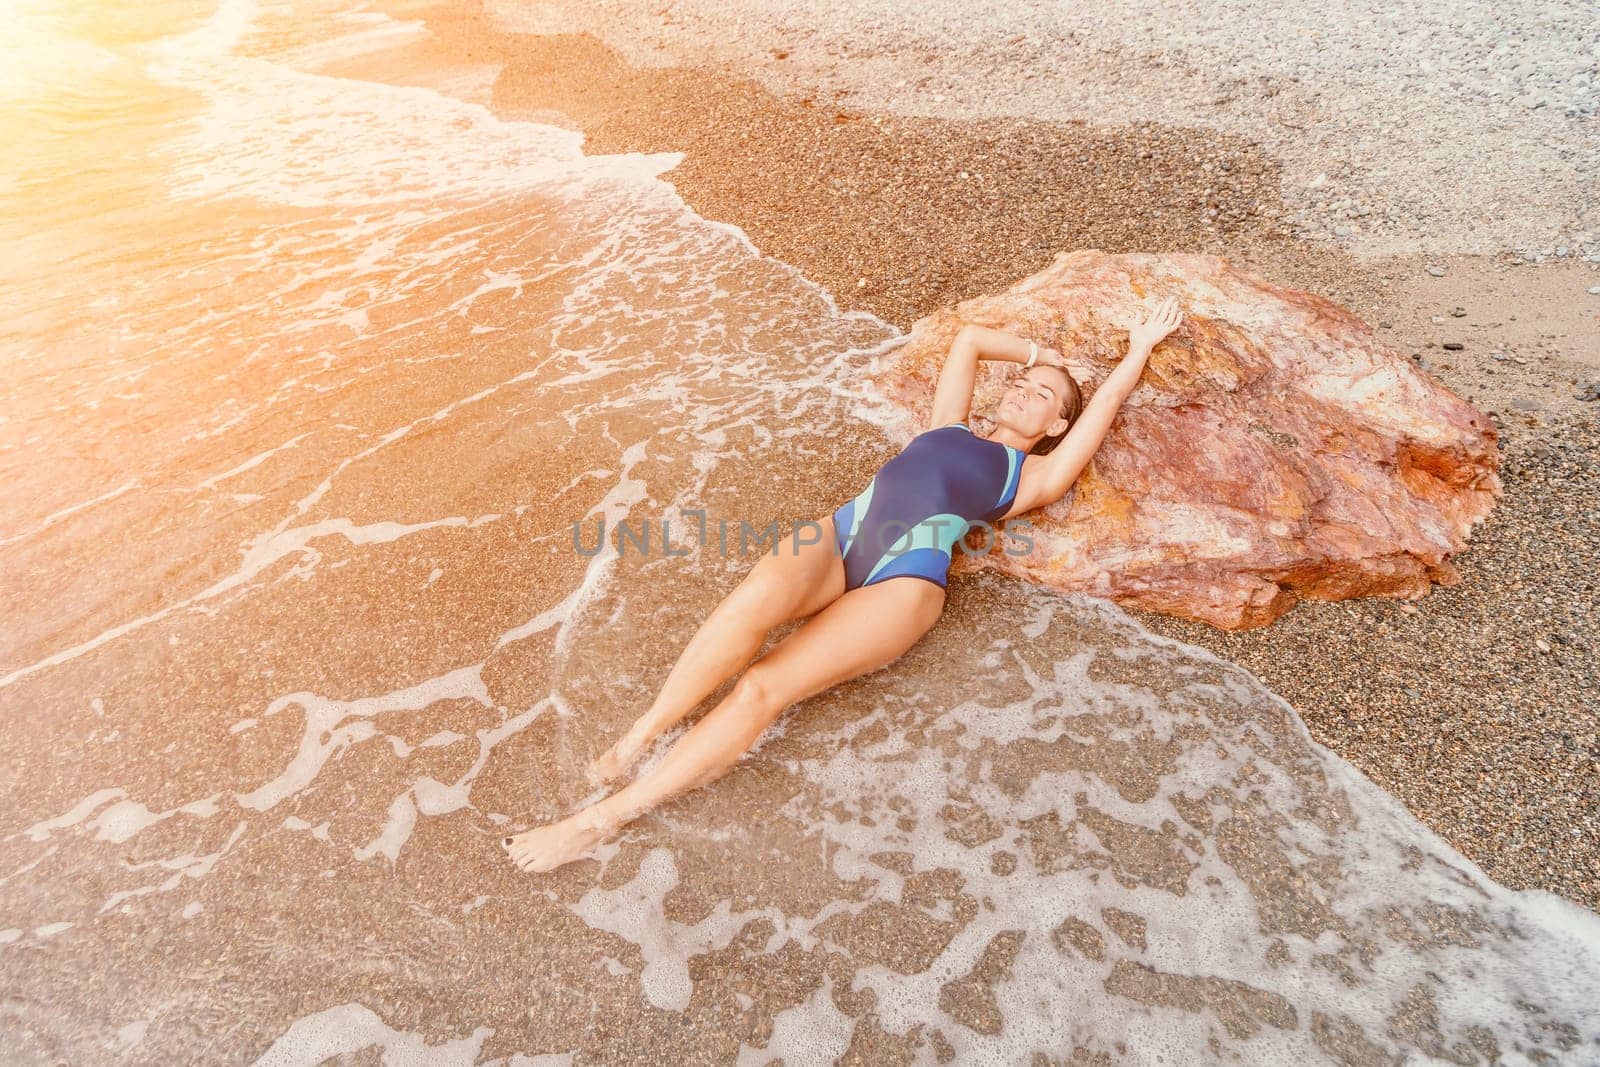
x,y
789,584
859,632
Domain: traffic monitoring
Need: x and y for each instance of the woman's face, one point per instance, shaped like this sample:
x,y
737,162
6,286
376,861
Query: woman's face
x,y
1032,401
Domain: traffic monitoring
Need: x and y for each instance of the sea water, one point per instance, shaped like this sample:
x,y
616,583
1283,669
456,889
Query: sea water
x,y
320,379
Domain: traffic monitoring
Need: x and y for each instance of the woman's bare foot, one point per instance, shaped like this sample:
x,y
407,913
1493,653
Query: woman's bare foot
x,y
615,761
544,848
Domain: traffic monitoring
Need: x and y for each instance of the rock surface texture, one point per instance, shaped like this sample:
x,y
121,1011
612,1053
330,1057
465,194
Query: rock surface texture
x,y
1274,448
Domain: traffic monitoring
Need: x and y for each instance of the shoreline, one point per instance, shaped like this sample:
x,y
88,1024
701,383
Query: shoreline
x,y
1469,705
1374,123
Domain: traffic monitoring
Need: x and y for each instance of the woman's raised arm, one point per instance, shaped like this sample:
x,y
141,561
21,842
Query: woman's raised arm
x,y
952,397
1046,479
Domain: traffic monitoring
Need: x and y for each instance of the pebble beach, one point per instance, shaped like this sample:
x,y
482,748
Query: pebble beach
x,y
364,353
1476,706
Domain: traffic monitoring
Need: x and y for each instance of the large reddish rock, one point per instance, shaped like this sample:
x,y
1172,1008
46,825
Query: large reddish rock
x,y
1274,448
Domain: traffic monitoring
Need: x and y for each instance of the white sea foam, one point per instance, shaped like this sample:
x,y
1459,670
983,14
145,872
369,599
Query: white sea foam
x,y
350,1028
276,133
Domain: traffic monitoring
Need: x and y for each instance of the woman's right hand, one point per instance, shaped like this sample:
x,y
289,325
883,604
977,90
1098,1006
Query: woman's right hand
x,y
1160,322
1049,357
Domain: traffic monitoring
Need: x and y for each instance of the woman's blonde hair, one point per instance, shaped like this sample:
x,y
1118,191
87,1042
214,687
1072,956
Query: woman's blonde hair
x,y
1071,408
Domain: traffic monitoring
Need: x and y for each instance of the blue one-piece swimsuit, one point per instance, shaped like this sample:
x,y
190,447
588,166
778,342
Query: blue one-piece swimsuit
x,y
920,503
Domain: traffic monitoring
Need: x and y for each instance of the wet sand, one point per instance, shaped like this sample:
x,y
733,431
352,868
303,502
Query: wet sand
x,y
1475,706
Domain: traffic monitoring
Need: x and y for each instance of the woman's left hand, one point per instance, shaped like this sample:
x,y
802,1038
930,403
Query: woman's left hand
x,y
1160,322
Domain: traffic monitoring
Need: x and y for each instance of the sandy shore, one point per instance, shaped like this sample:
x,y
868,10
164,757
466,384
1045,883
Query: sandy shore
x,y
1475,706
1444,128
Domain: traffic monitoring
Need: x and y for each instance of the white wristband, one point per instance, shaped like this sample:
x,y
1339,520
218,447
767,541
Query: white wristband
x,y
1033,353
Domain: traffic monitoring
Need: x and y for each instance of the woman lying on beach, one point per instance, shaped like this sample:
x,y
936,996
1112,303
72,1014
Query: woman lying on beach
x,y
853,580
